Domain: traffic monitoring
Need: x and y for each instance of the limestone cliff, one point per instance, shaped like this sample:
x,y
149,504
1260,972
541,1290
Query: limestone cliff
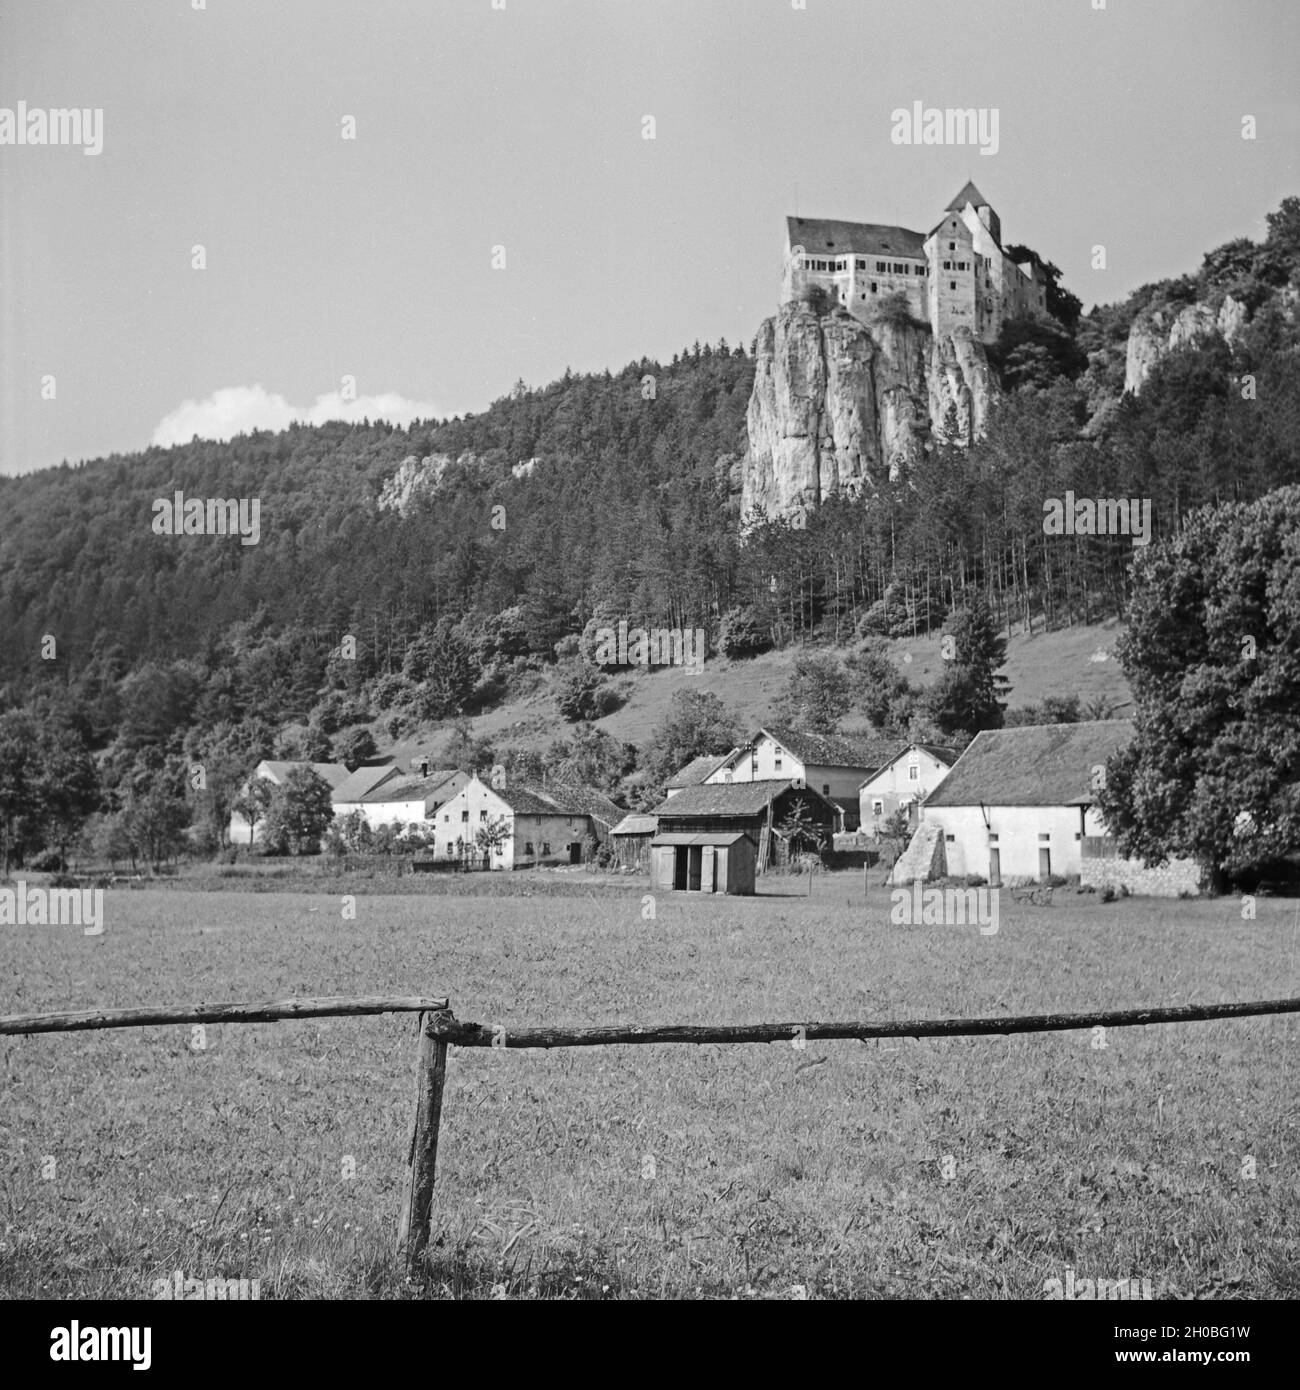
x,y
1158,331
838,406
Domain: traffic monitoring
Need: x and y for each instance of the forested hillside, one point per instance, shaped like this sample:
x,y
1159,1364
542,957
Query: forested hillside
x,y
627,506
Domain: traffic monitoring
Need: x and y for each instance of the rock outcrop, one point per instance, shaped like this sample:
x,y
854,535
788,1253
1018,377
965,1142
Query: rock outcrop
x,y
838,406
1156,332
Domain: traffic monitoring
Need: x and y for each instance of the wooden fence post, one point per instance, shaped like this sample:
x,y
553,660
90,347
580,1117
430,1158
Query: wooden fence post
x,y
417,1191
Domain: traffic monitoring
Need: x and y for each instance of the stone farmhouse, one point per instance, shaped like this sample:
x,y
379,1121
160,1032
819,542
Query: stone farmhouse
x,y
1019,805
542,825
903,783
955,275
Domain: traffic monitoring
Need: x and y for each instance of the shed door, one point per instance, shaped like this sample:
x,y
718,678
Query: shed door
x,y
995,867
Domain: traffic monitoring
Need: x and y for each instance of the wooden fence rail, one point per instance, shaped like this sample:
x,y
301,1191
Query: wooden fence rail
x,y
440,1029
275,1011
448,1029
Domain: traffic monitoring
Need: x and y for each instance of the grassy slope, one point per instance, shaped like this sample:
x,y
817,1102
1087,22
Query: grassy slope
x,y
1053,663
769,1173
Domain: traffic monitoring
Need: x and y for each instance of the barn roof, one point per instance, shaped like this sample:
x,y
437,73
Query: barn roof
x,y
698,769
1032,765
334,773
559,799
678,837
823,236
636,825
825,750
415,788
363,780
585,801
730,798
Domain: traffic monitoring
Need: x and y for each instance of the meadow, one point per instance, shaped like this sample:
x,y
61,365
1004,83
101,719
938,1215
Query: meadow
x,y
977,1168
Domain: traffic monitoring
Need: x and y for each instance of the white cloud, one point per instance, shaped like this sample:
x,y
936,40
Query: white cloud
x,y
236,410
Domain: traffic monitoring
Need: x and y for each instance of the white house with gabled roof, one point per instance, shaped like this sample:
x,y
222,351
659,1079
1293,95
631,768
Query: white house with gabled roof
x,y
903,783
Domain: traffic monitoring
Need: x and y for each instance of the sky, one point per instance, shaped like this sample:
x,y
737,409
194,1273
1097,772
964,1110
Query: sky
x,y
501,215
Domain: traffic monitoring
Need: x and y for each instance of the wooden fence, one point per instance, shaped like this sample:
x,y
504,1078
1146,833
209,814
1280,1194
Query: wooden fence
x,y
440,1029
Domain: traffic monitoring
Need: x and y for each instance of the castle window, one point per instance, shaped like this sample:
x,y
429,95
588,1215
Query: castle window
x,y
952,284
862,265
880,265
873,287
947,265
952,245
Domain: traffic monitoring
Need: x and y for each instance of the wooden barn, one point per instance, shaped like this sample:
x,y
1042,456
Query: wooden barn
x,y
766,811
631,840
719,862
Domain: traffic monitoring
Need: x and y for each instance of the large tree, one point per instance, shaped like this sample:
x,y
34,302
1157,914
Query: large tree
x,y
1212,653
970,694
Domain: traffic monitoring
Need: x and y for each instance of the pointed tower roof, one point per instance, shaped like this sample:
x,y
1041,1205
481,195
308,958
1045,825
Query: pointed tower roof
x,y
969,194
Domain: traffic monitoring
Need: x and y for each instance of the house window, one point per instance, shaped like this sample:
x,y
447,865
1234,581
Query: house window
x,y
913,773
753,763
464,815
947,265
993,837
862,265
776,759
528,846
1045,837
726,777
877,808
952,284
482,815
952,245
950,838
826,788
873,287
546,847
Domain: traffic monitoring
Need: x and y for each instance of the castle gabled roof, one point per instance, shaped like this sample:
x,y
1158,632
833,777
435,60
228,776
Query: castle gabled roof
x,y
969,194
822,236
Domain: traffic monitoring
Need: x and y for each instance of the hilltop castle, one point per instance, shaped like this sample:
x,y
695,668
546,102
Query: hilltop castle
x,y
957,275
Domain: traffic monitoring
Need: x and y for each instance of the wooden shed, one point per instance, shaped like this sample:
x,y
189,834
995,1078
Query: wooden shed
x,y
631,839
714,862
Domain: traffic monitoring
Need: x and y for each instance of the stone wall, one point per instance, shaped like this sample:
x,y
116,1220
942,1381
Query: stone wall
x,y
1171,880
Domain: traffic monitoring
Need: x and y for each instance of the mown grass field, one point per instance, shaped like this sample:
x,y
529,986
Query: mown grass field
x,y
277,1152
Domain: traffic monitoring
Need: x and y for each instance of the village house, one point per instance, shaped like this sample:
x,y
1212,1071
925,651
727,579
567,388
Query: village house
x,y
956,275
710,815
1020,805
902,784
540,825
834,767
277,774
403,800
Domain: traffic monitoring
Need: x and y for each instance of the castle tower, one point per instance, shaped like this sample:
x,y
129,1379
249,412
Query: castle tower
x,y
970,195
